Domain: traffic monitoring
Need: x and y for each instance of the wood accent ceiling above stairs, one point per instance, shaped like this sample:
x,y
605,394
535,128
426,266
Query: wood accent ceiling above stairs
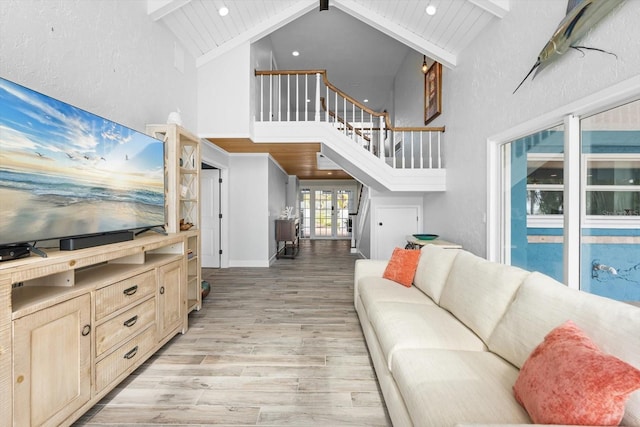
x,y
295,158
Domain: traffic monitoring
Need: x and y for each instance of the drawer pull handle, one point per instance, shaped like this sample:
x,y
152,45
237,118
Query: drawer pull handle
x,y
86,330
131,353
129,323
130,291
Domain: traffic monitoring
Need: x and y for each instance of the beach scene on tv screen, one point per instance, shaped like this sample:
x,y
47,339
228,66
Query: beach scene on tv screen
x,y
67,172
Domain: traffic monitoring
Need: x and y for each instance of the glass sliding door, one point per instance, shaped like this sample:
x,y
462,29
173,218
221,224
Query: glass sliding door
x,y
534,205
610,211
569,202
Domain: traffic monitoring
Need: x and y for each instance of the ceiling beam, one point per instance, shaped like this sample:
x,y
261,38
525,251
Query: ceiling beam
x,y
395,31
158,9
291,13
498,8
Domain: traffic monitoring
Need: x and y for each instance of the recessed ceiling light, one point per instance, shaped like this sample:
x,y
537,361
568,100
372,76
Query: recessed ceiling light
x,y
366,100
223,11
295,53
308,100
431,10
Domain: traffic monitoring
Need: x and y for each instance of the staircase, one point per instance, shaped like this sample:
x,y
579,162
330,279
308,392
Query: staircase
x,y
303,106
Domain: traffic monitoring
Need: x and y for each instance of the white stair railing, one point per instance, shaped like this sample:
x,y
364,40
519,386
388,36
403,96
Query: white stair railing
x,y
307,95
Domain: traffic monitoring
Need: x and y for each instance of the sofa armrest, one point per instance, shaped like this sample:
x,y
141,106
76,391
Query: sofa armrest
x,y
366,268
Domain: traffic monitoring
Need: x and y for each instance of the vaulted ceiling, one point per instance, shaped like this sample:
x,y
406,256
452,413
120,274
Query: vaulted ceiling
x,y
361,43
206,34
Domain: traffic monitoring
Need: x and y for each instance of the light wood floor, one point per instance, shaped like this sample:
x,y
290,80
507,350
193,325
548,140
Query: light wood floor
x,y
277,346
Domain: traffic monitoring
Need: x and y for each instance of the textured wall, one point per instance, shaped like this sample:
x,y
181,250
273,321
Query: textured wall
x,y
104,56
408,89
224,91
478,100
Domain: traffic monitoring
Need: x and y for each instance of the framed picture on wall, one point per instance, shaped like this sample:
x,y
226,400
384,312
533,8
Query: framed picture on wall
x,y
432,92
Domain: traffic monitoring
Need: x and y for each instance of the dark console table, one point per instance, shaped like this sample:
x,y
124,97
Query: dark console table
x,y
287,233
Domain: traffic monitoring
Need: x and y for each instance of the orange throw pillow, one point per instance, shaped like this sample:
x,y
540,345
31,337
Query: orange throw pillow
x,y
567,379
402,266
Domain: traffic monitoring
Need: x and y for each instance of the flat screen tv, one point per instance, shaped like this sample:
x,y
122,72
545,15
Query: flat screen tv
x,y
65,172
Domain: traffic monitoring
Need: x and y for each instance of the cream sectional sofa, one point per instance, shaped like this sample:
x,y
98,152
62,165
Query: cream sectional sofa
x,y
447,351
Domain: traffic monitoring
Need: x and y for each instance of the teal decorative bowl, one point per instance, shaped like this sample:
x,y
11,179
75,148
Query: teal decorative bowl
x,y
425,236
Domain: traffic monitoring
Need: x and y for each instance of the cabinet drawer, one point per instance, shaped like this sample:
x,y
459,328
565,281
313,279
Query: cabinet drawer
x,y
113,297
125,325
124,357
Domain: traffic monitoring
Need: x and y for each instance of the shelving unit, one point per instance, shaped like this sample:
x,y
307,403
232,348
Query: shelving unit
x,y
182,198
194,287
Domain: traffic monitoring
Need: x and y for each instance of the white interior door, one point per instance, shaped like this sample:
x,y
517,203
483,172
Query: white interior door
x,y
391,226
210,212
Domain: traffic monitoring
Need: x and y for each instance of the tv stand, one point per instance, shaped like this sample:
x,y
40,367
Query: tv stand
x,y
82,321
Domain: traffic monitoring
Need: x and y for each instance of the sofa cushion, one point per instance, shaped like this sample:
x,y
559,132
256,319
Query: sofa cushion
x,y
402,266
402,325
568,380
433,269
478,291
445,387
542,304
376,289
366,268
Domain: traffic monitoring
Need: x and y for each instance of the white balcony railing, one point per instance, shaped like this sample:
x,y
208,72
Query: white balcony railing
x,y
295,96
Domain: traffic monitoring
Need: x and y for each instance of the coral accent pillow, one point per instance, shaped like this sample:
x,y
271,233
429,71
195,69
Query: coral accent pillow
x,y
402,266
567,379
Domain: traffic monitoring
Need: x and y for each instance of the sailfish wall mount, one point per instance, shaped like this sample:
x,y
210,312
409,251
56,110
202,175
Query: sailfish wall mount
x,y
582,15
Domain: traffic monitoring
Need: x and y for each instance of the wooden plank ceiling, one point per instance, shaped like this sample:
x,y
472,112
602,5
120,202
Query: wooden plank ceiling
x,y
295,158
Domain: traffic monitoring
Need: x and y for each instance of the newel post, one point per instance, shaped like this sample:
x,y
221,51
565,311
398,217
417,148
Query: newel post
x,y
317,118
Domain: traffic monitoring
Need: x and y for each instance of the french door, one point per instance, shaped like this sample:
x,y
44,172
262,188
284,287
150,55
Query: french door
x,y
325,213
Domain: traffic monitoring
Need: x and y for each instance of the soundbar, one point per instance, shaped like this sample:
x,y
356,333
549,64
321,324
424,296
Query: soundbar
x,y
82,242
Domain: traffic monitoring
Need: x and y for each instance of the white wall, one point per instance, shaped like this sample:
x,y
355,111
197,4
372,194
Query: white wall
x,y
408,92
104,56
478,100
278,186
224,88
293,194
257,196
249,210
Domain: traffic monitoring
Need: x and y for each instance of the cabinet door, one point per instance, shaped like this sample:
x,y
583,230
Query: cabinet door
x,y
171,297
52,363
